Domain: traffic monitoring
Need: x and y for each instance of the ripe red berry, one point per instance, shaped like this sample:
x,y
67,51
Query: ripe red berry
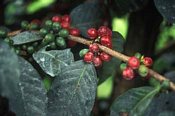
x,y
65,25
71,43
74,31
147,61
128,73
92,33
97,61
56,19
66,18
105,57
133,62
104,30
106,40
88,57
93,48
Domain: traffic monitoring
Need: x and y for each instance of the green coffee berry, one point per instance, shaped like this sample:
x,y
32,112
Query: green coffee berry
x,y
17,51
56,26
49,38
43,31
3,33
83,52
25,25
165,84
48,24
35,44
30,49
143,71
123,66
63,33
138,55
9,41
33,26
60,42
52,45
24,47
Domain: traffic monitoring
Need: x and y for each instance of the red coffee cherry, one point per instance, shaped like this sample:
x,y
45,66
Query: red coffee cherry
x,y
88,57
74,31
147,61
71,43
133,62
97,61
56,19
93,48
128,73
66,18
105,57
65,25
104,30
92,33
106,40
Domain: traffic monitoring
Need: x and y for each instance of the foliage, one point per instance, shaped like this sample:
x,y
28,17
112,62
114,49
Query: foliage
x,y
40,77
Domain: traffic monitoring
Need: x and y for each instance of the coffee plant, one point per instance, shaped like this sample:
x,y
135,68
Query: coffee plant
x,y
55,55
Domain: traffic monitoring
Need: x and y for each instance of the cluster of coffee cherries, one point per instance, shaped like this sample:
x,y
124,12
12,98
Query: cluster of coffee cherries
x,y
33,25
4,36
136,64
101,36
56,30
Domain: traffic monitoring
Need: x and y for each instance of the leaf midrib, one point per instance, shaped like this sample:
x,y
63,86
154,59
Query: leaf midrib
x,y
78,83
145,97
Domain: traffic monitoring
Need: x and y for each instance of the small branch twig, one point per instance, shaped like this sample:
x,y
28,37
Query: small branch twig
x,y
111,52
121,57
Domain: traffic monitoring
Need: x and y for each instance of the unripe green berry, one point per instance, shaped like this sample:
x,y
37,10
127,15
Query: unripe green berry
x,y
143,71
56,26
30,49
63,33
48,24
3,33
49,38
165,84
34,26
9,41
43,31
17,51
24,47
35,44
138,55
52,45
25,25
83,52
60,42
123,66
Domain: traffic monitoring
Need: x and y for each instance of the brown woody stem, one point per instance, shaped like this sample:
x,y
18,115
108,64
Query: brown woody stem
x,y
111,52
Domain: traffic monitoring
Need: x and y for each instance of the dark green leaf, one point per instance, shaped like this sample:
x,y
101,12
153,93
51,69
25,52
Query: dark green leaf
x,y
110,68
134,101
166,8
73,91
9,75
52,62
122,7
26,37
165,102
33,92
22,86
87,15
